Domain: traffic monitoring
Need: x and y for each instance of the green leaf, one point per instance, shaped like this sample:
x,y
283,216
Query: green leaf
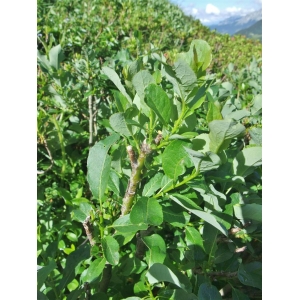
x,y
247,160
152,185
248,211
83,211
256,136
208,292
209,218
44,271
111,250
176,294
222,132
98,165
113,76
157,99
56,56
237,115
175,158
118,124
251,274
124,225
41,296
210,235
80,254
204,162
175,216
157,248
237,295
94,271
256,108
158,273
214,111
198,57
140,81
114,182
147,211
122,102
194,241
186,76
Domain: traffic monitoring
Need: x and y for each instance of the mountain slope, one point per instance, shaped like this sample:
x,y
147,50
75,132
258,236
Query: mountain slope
x,y
254,31
234,24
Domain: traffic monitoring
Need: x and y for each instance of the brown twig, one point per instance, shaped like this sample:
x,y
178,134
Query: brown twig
x,y
87,226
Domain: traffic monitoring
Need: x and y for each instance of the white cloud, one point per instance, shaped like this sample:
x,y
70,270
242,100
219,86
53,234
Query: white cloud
x,y
194,11
233,9
211,9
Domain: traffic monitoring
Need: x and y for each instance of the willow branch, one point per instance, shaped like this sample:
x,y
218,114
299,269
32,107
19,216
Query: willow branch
x,y
50,157
87,226
104,283
136,175
91,119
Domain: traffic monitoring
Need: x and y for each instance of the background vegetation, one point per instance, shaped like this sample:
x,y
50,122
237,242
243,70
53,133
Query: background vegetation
x,y
88,55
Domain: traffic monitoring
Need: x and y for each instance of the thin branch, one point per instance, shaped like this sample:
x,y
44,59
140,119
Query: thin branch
x,y
91,119
50,157
107,273
136,175
87,226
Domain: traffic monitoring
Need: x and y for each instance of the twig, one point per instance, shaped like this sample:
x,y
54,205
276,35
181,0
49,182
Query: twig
x,y
87,226
136,175
217,273
50,157
91,119
104,283
87,291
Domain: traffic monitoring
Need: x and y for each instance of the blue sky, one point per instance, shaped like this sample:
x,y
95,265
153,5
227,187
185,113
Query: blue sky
x,y
214,11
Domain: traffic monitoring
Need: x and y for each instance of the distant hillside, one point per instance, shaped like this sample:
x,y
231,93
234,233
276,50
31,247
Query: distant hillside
x,y
252,32
234,24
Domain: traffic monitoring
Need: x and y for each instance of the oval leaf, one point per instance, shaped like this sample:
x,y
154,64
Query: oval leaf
x,y
147,211
94,270
157,99
111,250
208,292
98,165
118,124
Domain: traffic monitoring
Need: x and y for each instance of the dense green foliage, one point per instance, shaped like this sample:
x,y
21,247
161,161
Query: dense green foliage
x,y
134,24
149,155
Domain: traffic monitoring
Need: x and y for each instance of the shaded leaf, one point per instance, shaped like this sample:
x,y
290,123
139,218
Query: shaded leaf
x,y
209,218
208,291
158,273
251,274
44,271
76,257
248,211
222,132
247,160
